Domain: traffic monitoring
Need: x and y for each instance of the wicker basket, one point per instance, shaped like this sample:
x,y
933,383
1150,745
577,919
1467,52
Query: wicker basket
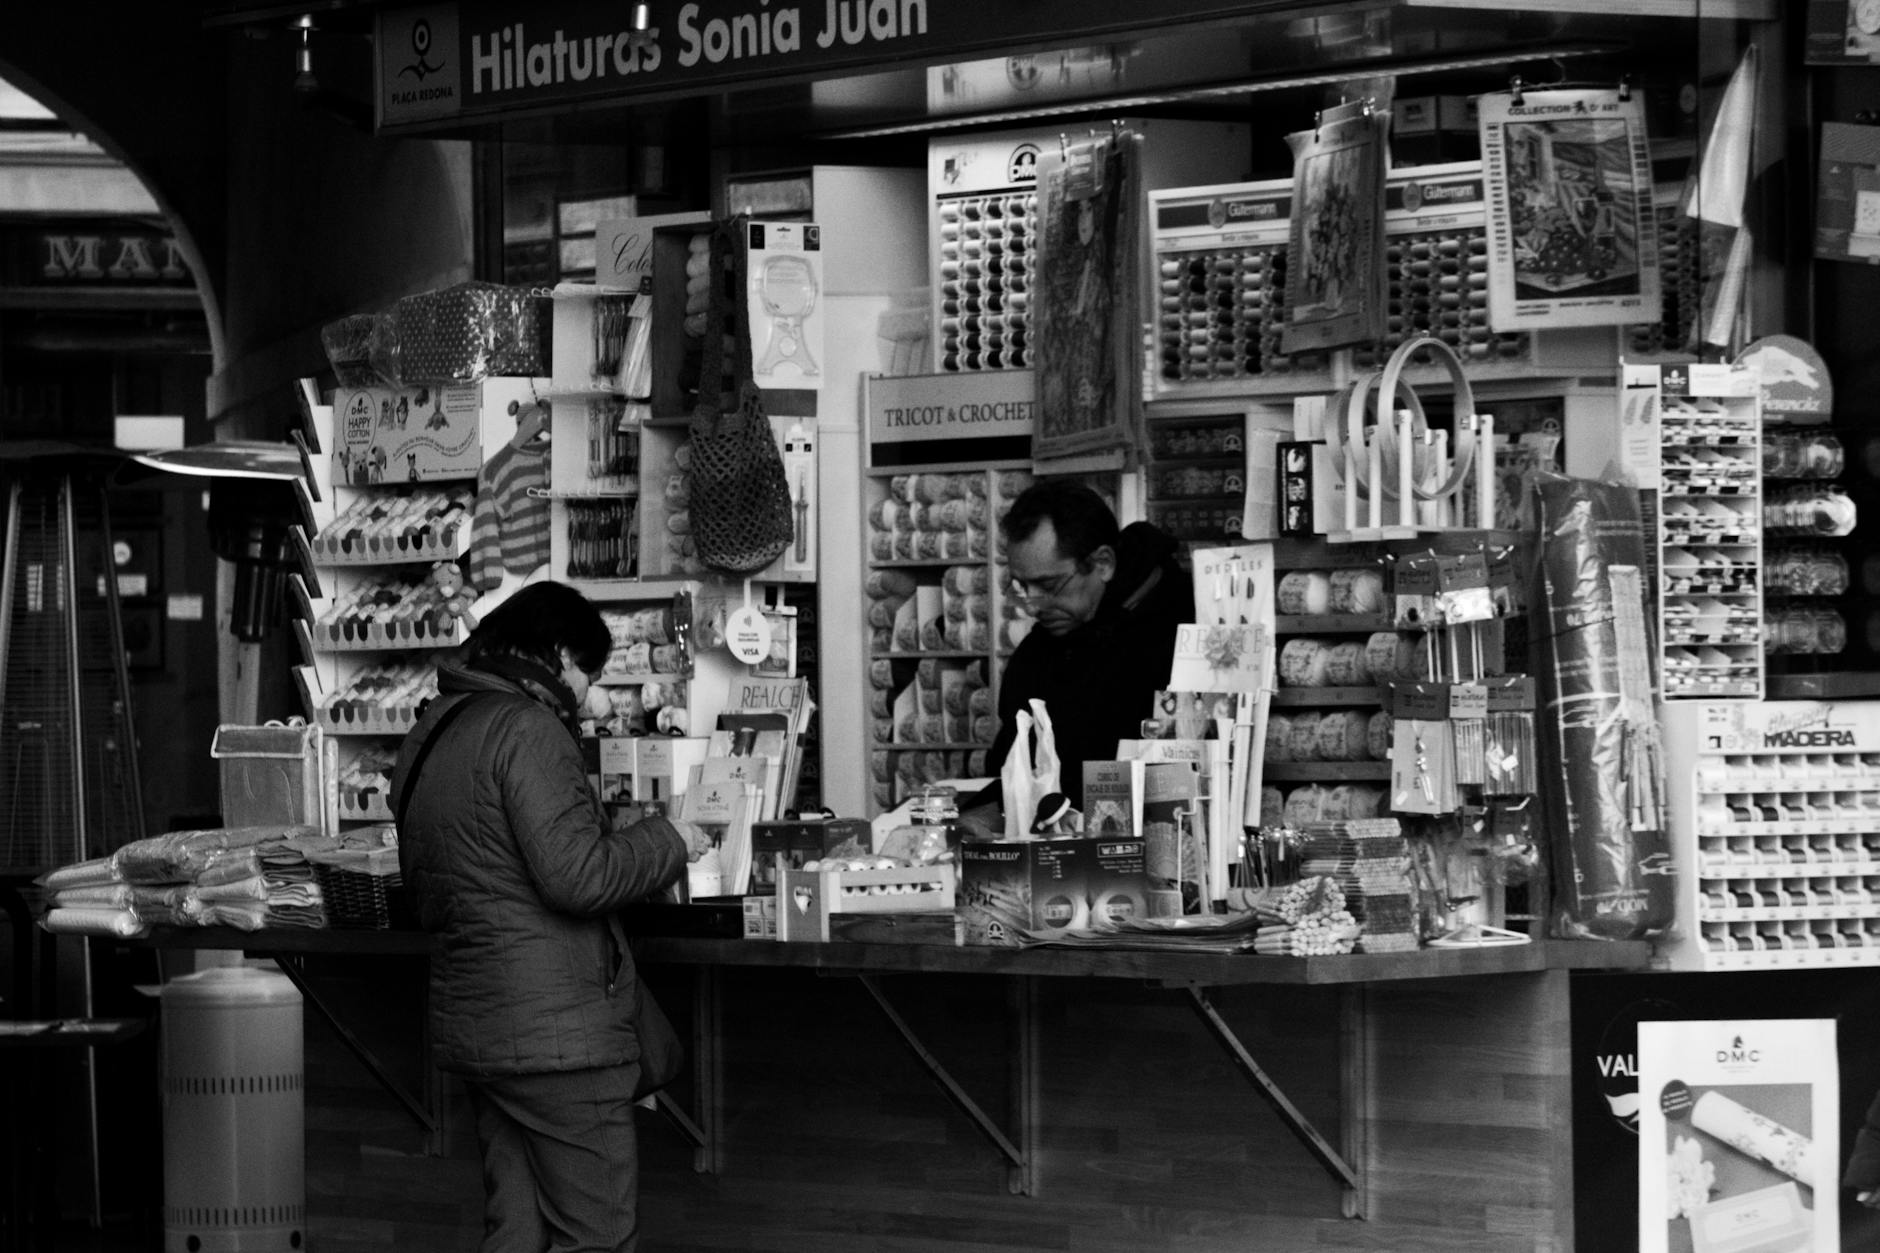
x,y
358,900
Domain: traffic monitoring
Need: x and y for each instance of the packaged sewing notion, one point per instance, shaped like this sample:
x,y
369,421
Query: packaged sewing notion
x,y
1738,1136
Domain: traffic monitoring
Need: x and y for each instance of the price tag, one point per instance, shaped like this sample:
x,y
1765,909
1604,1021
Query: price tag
x,y
1468,700
747,635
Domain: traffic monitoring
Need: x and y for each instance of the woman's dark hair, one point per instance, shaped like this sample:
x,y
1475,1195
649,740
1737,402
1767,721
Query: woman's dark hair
x,y
538,622
1081,519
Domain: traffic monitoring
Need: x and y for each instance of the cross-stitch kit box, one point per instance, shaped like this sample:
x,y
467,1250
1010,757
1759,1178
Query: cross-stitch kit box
x,y
1011,886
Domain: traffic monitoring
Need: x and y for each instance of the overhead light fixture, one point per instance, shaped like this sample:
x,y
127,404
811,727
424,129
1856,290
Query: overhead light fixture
x,y
304,80
640,32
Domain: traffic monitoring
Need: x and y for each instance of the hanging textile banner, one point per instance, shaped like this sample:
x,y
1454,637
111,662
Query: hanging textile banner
x,y
1088,342
1572,238
1335,275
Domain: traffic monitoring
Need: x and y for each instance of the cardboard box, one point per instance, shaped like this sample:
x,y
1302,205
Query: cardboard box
x,y
795,843
806,899
1010,886
760,917
408,435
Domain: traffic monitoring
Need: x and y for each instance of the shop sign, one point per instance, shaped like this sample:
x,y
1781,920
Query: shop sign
x,y
67,257
451,62
972,405
1795,383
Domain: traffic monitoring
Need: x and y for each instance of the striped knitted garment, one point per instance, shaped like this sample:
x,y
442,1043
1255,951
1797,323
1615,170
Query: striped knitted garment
x,y
509,530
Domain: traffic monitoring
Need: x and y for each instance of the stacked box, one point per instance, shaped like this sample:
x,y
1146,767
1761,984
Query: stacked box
x,y
1370,861
1011,887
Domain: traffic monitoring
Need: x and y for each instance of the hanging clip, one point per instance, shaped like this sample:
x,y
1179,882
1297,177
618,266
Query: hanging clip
x,y
1514,90
1318,118
1625,88
1064,146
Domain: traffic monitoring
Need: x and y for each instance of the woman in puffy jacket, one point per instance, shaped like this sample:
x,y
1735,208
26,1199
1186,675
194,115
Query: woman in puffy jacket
x,y
507,854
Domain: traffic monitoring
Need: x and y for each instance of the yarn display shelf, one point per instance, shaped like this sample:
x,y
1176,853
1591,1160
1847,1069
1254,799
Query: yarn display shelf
x,y
943,654
357,808
357,719
636,679
351,635
340,545
1331,623
1295,697
1325,771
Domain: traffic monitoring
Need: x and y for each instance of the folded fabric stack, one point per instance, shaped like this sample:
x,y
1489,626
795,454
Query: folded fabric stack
x,y
246,877
1370,859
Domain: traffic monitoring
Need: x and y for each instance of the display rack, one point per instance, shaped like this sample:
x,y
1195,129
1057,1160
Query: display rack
x,y
982,195
371,622
1696,442
1196,475
940,624
1327,754
1775,821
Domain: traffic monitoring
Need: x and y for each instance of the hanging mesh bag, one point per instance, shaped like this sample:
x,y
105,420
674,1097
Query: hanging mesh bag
x,y
742,518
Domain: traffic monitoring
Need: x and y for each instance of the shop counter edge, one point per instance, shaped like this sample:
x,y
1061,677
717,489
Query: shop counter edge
x,y
1201,969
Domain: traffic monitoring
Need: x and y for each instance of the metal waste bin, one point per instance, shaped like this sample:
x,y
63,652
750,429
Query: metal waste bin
x,y
234,1149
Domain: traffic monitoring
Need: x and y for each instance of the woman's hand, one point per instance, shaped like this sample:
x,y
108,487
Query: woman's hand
x,y
698,841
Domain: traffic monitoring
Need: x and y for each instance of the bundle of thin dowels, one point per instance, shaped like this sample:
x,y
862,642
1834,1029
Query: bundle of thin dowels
x,y
1306,919
1319,935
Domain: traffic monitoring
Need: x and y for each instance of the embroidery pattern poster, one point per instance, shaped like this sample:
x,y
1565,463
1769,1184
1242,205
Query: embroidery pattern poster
x,y
1334,275
1572,240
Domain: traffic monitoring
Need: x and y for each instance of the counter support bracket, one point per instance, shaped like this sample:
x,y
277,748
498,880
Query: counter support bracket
x,y
1018,1159
1301,1126
704,1125
424,1111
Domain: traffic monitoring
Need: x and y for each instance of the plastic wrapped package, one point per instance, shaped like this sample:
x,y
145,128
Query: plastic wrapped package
x,y
1611,882
461,334
348,344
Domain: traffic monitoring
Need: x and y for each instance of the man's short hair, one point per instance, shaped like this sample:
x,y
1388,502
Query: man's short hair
x,y
1081,519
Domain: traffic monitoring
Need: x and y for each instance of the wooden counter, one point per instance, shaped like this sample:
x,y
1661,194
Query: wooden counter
x,y
1430,1092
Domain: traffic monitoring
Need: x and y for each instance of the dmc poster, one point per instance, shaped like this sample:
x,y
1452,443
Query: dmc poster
x,y
1572,240
1739,1136
1334,271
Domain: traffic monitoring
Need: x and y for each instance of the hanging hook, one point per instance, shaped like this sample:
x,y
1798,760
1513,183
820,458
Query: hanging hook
x,y
1318,118
1064,146
1625,88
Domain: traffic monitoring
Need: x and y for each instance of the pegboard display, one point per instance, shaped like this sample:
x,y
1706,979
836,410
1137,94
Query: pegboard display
x,y
1220,291
987,255
983,228
1681,280
1436,266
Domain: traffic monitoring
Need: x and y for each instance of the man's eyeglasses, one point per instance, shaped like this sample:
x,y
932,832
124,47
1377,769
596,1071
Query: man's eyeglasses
x,y
1040,589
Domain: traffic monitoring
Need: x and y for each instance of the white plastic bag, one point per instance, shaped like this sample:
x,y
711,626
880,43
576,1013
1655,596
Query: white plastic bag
x,y
1031,772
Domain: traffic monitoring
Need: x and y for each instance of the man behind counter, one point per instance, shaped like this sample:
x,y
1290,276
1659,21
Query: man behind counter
x,y
1105,606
